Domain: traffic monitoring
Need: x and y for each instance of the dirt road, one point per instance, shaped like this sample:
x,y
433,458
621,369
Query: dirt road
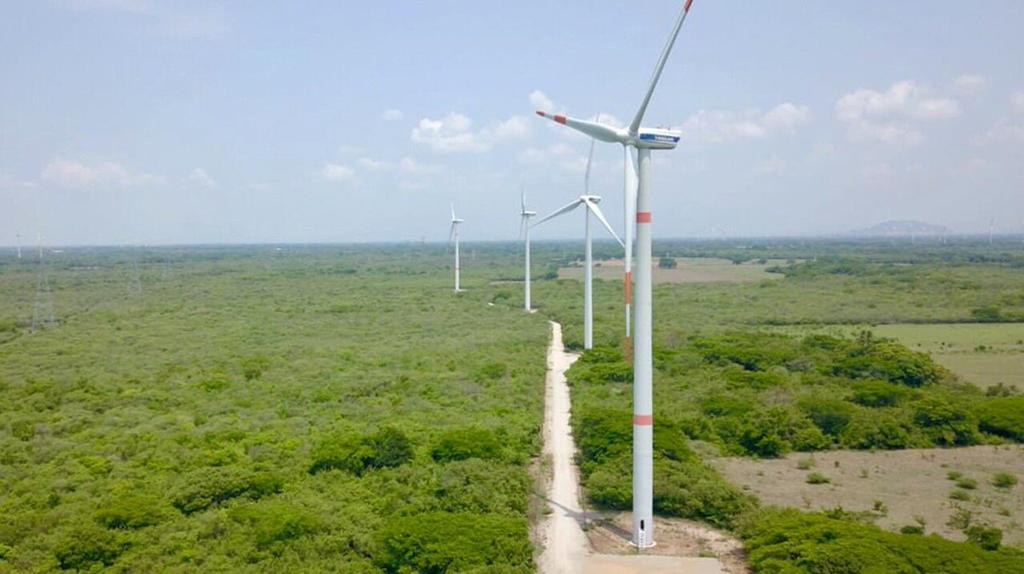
x,y
565,545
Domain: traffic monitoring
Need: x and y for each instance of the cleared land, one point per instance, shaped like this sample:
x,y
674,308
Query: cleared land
x,y
910,484
688,270
985,354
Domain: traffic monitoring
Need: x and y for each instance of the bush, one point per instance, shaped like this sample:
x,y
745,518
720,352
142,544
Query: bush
x,y
667,263
878,394
386,448
465,443
793,542
86,547
881,429
1003,417
946,424
989,314
131,511
1004,480
960,495
869,358
776,431
830,415
817,478
967,483
206,487
439,542
276,523
987,537
914,529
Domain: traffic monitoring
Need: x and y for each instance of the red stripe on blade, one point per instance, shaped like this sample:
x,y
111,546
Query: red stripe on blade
x,y
643,217
687,7
643,420
560,119
540,113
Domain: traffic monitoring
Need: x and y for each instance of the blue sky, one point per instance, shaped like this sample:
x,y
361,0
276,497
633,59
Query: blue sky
x,y
150,121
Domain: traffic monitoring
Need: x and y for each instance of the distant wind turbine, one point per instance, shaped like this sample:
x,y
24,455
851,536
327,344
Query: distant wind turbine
x,y
590,202
453,235
643,140
19,245
524,232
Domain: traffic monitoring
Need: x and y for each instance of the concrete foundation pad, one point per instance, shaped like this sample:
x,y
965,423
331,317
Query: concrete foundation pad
x,y
620,564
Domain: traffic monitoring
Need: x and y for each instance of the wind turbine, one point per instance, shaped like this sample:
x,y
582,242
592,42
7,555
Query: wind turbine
x,y
524,231
19,245
454,236
643,140
590,202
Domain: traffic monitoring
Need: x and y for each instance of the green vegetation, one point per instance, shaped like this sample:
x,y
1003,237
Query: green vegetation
x,y
789,541
817,478
1004,480
338,409
315,410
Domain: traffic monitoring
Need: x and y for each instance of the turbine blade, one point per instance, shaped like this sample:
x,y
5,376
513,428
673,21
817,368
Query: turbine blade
x,y
522,200
629,193
453,212
576,203
600,217
522,226
586,175
451,233
635,126
595,130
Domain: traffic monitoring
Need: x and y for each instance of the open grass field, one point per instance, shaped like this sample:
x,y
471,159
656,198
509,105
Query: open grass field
x,y
894,488
688,270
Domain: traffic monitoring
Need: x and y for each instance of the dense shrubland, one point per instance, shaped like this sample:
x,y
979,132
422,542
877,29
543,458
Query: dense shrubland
x,y
323,409
764,394
337,409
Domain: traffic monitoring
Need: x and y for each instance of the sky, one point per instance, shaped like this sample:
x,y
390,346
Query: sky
x,y
175,122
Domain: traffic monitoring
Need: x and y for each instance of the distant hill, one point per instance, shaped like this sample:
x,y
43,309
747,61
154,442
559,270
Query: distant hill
x,y
902,229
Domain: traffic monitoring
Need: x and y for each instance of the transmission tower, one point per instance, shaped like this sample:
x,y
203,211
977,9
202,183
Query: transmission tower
x,y
134,279
42,313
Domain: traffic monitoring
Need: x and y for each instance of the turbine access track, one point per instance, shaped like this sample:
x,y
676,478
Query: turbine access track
x,y
566,547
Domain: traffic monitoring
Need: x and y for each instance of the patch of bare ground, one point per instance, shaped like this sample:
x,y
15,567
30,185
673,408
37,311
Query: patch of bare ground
x,y
608,533
895,488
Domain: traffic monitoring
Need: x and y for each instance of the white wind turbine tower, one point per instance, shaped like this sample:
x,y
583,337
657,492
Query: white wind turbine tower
x,y
643,140
453,235
524,231
19,245
590,201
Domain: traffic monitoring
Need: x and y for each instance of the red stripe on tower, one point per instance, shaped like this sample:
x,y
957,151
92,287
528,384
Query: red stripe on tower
x,y
560,119
643,217
643,420
629,287
687,7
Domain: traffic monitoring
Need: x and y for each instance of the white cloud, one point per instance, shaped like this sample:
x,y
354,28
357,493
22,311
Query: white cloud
x,y
78,175
542,102
198,177
890,116
786,117
450,134
454,133
9,182
1003,132
392,115
371,164
1017,101
408,165
716,126
516,127
336,173
970,84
